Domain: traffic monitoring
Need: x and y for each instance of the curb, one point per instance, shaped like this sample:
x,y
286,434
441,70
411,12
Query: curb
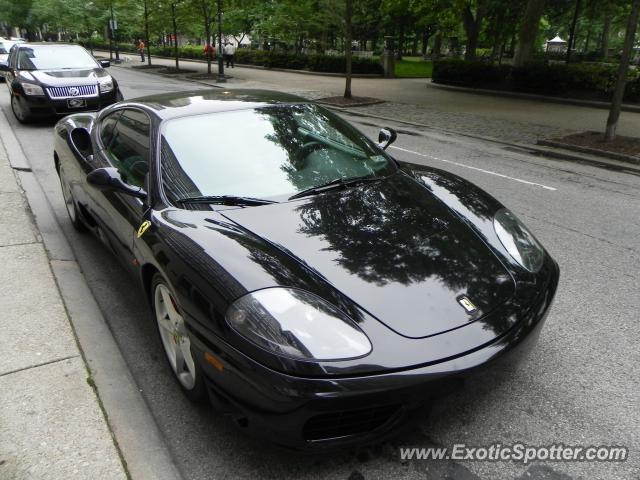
x,y
626,107
144,453
593,151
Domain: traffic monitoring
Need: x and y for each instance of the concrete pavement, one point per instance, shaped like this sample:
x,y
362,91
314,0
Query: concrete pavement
x,y
51,422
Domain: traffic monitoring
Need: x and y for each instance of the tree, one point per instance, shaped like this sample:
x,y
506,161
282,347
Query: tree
x,y
241,18
174,8
616,102
528,31
472,16
572,32
208,13
604,45
348,15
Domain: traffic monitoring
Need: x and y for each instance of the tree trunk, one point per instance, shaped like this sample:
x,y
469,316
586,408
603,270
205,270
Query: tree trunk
x,y
528,32
414,47
497,37
348,13
587,40
472,29
400,38
207,45
604,45
437,46
618,94
175,34
146,31
425,41
572,33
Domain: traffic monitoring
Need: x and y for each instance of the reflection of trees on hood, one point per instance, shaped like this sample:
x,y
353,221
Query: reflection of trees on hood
x,y
289,273
394,232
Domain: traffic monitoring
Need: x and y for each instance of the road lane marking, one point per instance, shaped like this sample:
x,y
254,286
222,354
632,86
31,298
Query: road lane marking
x,y
475,168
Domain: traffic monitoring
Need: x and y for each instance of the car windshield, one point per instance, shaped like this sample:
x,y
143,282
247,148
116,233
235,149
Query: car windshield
x,y
55,58
264,152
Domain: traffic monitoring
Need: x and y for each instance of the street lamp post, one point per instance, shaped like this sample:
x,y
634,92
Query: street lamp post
x,y
221,78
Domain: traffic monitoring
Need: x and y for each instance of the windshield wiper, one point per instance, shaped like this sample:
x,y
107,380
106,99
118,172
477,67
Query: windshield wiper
x,y
225,200
336,184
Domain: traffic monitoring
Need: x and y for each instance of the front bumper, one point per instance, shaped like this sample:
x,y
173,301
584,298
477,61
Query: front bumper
x,y
43,106
317,413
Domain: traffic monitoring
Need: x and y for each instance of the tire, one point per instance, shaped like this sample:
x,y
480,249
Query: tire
x,y
18,111
70,204
176,341
119,96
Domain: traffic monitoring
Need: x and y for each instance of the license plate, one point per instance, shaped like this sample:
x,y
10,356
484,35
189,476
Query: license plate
x,y
76,103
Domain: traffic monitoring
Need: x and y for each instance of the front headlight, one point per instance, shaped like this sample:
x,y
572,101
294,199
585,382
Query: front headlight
x,y
297,324
106,85
518,240
32,89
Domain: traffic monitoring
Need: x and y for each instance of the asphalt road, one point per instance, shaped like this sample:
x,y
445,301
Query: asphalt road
x,y
579,386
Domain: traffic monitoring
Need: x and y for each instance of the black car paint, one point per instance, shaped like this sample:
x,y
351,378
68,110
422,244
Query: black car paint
x,y
212,257
45,106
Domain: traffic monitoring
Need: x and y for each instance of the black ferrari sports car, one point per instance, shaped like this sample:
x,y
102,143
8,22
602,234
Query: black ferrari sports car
x,y
49,79
313,287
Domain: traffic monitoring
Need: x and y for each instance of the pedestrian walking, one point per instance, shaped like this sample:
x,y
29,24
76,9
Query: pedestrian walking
x,y
229,54
209,50
141,48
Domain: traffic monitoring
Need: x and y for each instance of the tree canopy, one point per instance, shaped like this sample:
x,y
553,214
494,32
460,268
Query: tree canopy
x,y
487,29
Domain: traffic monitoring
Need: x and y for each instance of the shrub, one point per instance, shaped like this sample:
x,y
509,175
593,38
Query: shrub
x,y
600,79
338,64
538,77
632,90
285,60
472,74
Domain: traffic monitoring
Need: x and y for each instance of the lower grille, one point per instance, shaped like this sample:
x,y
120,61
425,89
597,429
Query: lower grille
x,y
348,422
73,92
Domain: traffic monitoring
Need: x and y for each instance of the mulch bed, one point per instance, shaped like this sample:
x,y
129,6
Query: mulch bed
x,y
595,140
349,102
147,66
206,76
175,71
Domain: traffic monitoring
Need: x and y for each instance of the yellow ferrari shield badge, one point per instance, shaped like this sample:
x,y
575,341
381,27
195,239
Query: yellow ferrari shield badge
x,y
143,228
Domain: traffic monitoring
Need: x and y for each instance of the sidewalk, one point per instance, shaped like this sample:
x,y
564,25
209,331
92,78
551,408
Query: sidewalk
x,y
51,424
418,101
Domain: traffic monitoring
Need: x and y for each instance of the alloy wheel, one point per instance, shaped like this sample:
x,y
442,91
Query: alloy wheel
x,y
17,109
175,338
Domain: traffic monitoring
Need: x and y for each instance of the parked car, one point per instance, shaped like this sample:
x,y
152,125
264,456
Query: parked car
x,y
46,79
4,54
5,49
316,289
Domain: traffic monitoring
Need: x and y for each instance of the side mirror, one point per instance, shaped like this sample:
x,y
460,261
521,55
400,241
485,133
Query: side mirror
x,y
4,67
386,137
105,63
81,140
109,179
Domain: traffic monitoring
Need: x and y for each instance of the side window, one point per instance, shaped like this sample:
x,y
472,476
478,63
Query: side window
x,y
128,148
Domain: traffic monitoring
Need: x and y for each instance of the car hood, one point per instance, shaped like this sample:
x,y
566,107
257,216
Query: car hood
x,y
68,77
393,248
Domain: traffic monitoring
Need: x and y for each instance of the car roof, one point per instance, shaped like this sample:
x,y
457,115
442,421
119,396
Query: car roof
x,y
197,102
